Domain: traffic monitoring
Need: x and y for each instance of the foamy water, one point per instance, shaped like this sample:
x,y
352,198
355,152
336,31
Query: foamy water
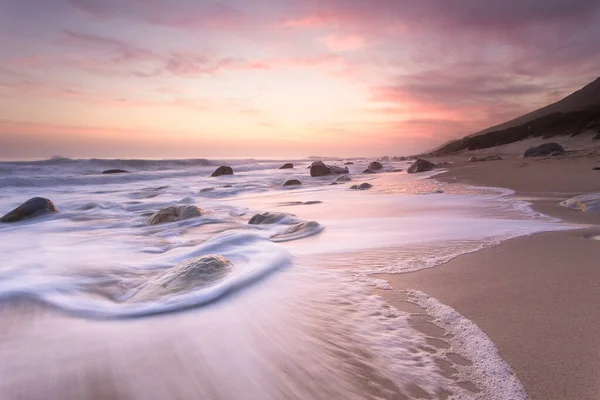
x,y
295,318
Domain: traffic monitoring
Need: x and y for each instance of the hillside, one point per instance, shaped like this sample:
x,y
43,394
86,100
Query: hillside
x,y
571,115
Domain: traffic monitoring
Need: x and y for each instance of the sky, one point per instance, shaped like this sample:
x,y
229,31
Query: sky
x,y
280,78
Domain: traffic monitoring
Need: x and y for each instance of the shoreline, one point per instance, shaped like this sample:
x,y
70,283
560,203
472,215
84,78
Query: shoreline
x,y
534,296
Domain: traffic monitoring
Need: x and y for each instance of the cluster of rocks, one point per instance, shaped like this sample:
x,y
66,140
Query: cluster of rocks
x,y
319,168
546,149
362,186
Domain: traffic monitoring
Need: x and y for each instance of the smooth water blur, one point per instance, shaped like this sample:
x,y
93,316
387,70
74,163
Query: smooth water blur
x,y
295,318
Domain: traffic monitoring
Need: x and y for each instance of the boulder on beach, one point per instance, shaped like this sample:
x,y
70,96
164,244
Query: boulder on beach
x,y
486,158
362,186
32,208
318,168
185,277
373,168
114,171
420,165
266,218
544,150
287,166
223,170
174,213
292,182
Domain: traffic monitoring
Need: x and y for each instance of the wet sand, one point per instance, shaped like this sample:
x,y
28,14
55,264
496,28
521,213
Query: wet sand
x,y
536,297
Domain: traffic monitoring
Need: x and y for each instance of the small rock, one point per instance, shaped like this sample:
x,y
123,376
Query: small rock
x,y
34,207
421,165
544,150
266,218
182,278
343,178
223,170
292,182
398,170
204,190
115,171
174,213
486,158
373,168
362,186
349,163
287,166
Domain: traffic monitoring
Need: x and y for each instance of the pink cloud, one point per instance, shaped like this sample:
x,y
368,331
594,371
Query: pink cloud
x,y
339,43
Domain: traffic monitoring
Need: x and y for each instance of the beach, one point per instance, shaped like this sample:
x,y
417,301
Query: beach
x,y
442,284
536,297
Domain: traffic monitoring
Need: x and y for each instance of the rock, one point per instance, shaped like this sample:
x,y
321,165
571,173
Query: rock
x,y
266,218
584,203
174,213
362,186
32,208
597,137
223,170
204,190
185,277
486,158
443,164
349,163
398,170
318,168
399,159
384,158
420,165
373,168
292,182
343,178
544,150
115,171
596,169
287,166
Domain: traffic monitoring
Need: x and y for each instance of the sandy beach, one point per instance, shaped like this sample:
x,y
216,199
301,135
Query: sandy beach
x,y
536,297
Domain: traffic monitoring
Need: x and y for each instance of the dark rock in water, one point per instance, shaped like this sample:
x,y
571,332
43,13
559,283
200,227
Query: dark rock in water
x,y
34,207
204,190
287,166
421,165
266,218
174,213
292,182
343,178
349,163
486,158
185,277
373,167
398,170
362,186
544,150
223,170
115,171
318,168
442,164
596,169
399,159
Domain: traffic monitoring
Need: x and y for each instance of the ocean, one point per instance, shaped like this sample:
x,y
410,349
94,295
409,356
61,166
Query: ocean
x,y
294,318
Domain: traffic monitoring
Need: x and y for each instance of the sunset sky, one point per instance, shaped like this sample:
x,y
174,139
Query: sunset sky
x,y
278,78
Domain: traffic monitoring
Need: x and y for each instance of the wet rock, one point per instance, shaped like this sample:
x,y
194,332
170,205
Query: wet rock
x,y
443,164
584,203
115,171
544,150
362,186
174,213
287,166
292,182
373,168
399,159
486,158
349,163
266,218
32,208
185,277
343,178
420,165
398,170
204,190
596,169
318,168
223,170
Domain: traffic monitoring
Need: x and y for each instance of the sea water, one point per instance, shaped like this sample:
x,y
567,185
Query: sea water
x,y
294,319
